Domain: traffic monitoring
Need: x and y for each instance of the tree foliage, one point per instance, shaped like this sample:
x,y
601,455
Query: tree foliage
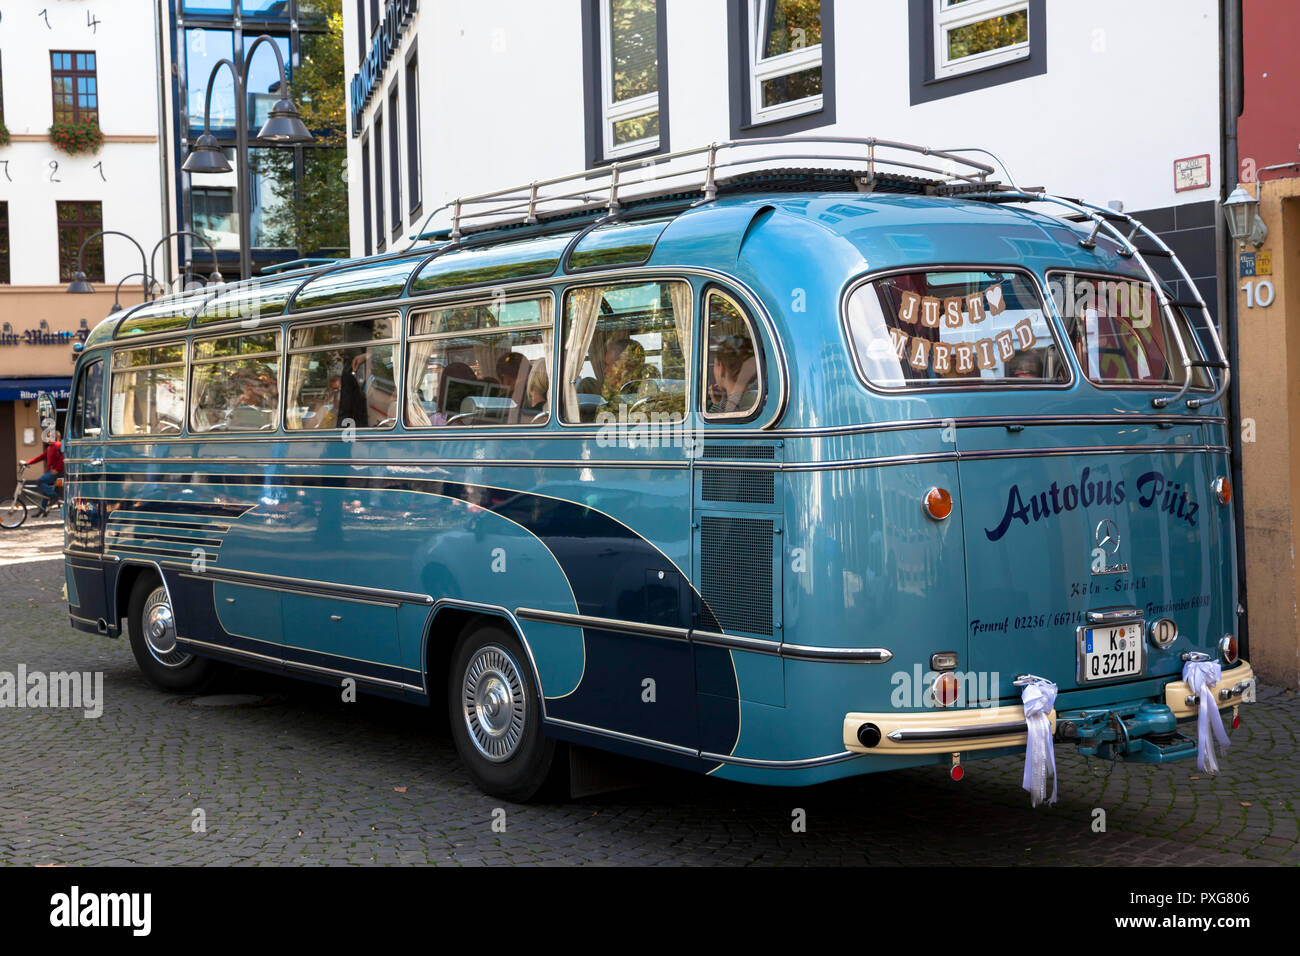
x,y
316,217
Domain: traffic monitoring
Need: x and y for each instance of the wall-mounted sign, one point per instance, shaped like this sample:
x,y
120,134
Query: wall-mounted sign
x,y
392,27
1191,172
42,337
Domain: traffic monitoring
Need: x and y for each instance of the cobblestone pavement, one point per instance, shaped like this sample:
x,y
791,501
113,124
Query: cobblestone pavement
x,y
36,540
306,778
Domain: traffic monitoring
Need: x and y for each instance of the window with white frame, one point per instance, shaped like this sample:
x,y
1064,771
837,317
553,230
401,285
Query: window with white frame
x,y
974,34
785,58
629,56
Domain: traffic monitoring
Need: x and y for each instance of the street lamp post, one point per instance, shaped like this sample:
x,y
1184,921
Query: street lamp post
x,y
117,305
216,278
284,127
81,286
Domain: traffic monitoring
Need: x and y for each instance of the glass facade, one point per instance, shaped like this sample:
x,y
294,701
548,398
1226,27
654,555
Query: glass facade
x,y
285,182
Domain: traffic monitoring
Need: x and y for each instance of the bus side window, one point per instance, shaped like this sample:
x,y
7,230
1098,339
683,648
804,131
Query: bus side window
x,y
86,406
342,374
733,370
625,352
480,363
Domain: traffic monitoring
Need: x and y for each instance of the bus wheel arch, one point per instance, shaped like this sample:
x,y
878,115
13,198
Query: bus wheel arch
x,y
151,630
493,702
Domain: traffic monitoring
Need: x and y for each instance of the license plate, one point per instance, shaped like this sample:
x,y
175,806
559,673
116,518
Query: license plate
x,y
1112,653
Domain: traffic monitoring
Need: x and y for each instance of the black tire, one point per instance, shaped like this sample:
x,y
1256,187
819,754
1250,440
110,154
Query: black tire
x,y
513,759
163,664
12,513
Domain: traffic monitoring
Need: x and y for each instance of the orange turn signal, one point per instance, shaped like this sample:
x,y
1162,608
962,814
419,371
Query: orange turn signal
x,y
937,503
1222,489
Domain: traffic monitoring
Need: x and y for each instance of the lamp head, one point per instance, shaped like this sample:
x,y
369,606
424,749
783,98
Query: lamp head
x,y
206,156
80,285
284,125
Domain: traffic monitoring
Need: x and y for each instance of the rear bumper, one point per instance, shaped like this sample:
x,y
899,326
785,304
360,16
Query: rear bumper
x,y
1236,685
988,728
938,731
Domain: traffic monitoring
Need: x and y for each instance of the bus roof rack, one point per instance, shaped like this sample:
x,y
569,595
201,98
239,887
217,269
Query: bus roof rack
x,y
701,174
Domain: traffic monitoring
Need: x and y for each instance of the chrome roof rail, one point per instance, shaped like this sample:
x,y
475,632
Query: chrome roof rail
x,y
1104,218
700,170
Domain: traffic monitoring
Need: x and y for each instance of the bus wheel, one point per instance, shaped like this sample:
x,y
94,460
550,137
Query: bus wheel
x,y
152,628
496,716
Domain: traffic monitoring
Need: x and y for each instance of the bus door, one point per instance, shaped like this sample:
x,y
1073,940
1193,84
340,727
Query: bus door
x,y
84,510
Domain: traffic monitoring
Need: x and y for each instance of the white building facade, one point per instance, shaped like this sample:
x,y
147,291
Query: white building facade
x,y
87,64
1111,100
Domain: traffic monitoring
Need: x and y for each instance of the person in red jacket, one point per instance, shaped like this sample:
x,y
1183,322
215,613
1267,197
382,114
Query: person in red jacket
x,y
52,457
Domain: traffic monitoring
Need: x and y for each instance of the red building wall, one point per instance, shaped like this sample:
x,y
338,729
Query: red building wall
x,y
1268,131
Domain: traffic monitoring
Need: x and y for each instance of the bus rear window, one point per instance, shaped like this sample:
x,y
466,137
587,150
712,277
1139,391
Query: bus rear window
x,y
946,328
1119,332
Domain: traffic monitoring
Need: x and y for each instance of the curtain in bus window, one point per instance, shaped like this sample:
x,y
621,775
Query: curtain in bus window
x,y
680,295
585,305
297,376
418,377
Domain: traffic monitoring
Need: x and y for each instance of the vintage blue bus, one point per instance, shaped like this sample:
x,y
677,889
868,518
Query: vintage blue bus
x,y
780,461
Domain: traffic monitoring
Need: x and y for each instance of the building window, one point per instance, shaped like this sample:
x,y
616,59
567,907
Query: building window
x,y
785,58
379,177
361,32
77,221
4,243
394,160
958,46
626,77
974,34
413,131
76,90
213,216
365,197
782,62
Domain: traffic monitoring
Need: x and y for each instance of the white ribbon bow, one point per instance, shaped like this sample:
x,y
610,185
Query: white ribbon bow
x,y
1202,677
1039,697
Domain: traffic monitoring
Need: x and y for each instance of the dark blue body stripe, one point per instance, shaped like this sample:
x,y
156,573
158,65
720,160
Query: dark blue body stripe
x,y
608,567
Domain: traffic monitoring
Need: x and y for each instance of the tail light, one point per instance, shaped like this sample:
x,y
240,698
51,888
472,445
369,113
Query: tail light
x,y
1228,649
937,503
944,689
1222,489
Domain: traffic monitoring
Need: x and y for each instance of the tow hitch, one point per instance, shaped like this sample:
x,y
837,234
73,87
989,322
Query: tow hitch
x,y
1146,733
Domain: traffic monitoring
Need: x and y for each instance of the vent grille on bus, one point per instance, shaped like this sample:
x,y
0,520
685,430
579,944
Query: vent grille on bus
x,y
748,487
736,572
738,451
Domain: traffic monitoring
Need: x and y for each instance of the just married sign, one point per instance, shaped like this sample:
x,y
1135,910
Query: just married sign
x,y
928,311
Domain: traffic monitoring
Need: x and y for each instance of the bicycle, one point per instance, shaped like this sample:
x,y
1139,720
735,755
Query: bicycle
x,y
13,510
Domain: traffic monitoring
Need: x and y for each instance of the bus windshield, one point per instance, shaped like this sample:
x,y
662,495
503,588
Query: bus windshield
x,y
952,328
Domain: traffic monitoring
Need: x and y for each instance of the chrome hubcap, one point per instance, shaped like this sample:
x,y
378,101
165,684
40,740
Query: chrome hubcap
x,y
160,631
495,703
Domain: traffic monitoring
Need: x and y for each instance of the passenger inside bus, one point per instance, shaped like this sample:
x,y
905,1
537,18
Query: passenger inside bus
x,y
733,382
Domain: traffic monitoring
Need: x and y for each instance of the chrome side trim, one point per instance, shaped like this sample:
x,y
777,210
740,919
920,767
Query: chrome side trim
x,y
863,655
298,665
700,432
334,589
603,623
800,764
92,555
628,738
959,733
